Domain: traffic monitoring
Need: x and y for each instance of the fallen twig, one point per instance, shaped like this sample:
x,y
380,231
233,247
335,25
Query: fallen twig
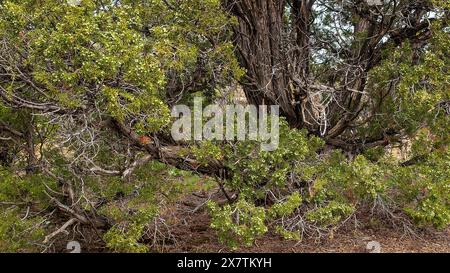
x,y
60,230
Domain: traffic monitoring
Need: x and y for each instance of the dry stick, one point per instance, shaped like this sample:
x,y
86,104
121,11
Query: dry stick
x,y
68,210
6,127
136,164
222,188
12,203
60,230
94,226
169,154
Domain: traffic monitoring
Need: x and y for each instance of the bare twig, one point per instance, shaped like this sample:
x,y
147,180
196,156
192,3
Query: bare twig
x,y
60,230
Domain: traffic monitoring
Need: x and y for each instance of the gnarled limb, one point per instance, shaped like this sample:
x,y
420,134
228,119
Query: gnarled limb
x,y
170,154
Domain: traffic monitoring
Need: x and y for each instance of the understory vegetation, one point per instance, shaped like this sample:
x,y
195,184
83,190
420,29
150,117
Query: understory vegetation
x,y
86,91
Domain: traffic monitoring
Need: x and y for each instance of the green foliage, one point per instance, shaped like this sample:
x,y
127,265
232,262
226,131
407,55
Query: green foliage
x,y
238,224
19,234
255,171
336,187
419,87
20,231
207,151
69,50
424,190
287,207
139,203
288,235
242,222
330,214
28,189
100,60
125,241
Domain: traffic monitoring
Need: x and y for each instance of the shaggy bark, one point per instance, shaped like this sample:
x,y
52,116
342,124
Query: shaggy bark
x,y
275,39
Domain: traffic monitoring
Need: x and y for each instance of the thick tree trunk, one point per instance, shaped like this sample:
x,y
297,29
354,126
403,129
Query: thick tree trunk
x,y
258,38
273,40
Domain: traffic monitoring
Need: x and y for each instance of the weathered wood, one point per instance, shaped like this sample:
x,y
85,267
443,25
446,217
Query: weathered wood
x,y
171,154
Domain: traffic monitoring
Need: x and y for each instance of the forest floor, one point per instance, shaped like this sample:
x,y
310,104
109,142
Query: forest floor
x,y
185,227
192,233
196,236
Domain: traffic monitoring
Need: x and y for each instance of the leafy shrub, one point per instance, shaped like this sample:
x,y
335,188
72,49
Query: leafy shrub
x,y
424,190
121,240
255,172
20,235
326,189
238,223
330,214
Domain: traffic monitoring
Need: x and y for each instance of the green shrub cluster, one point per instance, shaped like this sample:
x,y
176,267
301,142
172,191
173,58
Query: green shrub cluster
x,y
325,189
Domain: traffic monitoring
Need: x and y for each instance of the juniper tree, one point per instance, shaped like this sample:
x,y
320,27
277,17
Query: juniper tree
x,y
86,89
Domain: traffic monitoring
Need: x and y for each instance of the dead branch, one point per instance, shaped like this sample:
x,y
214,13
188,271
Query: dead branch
x,y
60,230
